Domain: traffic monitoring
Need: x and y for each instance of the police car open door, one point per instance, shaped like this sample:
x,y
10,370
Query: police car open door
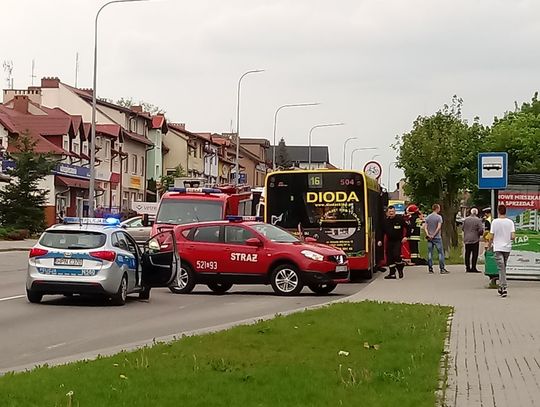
x,y
160,260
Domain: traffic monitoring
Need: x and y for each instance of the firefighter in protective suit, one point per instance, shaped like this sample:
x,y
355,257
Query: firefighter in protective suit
x,y
416,219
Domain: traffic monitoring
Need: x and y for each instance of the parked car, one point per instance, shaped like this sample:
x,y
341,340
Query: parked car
x,y
92,256
137,229
222,253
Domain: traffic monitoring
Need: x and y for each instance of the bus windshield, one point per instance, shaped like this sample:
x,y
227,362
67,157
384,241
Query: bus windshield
x,y
327,205
182,211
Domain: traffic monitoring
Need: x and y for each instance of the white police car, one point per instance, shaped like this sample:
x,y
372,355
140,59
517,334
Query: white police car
x,y
97,257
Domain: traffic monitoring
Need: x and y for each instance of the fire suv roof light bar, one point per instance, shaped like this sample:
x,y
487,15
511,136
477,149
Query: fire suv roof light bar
x,y
233,218
196,190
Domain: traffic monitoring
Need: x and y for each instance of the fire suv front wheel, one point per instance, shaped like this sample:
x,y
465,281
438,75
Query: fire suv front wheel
x,y
184,283
286,280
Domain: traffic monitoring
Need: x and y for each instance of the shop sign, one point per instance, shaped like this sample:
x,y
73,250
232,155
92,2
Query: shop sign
x,y
72,171
135,182
145,208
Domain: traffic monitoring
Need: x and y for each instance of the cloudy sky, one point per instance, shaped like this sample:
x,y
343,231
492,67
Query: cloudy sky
x,y
373,64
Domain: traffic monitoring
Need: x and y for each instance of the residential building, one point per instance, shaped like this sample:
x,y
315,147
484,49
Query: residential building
x,y
299,156
175,148
253,159
55,132
121,142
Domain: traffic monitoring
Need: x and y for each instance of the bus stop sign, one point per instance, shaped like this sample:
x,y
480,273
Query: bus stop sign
x,y
492,170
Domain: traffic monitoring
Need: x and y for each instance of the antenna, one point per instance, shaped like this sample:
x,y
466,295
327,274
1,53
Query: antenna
x,y
76,68
32,76
8,69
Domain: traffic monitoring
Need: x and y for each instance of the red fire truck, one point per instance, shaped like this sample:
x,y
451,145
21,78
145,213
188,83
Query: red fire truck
x,y
192,203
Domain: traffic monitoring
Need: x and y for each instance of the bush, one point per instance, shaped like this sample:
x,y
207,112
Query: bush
x,y
18,234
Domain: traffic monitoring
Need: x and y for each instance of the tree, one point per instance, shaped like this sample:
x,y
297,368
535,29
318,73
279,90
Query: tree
x,y
439,157
147,107
21,201
282,156
518,134
167,181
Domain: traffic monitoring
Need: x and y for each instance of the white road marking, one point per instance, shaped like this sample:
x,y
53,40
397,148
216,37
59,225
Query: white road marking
x,y
12,298
56,346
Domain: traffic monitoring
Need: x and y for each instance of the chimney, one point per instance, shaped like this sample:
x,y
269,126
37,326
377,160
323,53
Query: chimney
x,y
50,82
137,109
20,104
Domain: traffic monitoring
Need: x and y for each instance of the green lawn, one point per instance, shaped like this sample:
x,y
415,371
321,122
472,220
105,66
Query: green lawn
x,y
390,356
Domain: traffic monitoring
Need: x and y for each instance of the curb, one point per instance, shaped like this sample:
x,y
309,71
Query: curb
x,y
15,249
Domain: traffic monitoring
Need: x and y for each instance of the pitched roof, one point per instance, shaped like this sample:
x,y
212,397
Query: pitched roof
x,y
260,141
111,130
137,138
36,127
319,154
159,122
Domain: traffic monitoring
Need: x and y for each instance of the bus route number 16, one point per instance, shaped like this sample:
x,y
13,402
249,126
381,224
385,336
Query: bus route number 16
x,y
315,181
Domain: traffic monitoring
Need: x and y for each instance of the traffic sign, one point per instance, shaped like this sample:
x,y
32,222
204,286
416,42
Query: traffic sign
x,y
373,169
492,170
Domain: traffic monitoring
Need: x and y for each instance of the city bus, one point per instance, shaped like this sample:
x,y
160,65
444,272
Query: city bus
x,y
340,208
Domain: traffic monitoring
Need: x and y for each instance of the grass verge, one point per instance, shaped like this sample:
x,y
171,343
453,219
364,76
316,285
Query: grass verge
x,y
368,354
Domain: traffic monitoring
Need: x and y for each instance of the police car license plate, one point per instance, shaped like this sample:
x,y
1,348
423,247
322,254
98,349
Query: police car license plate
x,y
342,269
68,262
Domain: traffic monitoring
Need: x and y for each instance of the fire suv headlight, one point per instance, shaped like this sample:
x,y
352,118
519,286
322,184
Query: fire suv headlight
x,y
312,255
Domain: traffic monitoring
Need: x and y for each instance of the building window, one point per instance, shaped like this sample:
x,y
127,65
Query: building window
x,y
107,149
158,172
140,197
76,148
66,144
126,164
85,148
134,164
142,165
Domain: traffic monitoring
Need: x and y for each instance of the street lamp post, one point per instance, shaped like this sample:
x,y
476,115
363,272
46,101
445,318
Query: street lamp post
x,y
237,164
275,125
389,166
92,184
360,149
344,164
311,131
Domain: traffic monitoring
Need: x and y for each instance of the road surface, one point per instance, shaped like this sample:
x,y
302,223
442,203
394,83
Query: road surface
x,y
62,329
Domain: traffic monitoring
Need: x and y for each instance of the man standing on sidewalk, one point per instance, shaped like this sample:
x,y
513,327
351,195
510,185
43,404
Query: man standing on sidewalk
x,y
395,232
432,227
502,233
473,229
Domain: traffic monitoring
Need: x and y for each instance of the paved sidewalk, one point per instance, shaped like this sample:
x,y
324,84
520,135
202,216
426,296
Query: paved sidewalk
x,y
494,342
16,245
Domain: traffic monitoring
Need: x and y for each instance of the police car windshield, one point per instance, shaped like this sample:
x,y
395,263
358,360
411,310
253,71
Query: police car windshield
x,y
274,233
72,239
182,211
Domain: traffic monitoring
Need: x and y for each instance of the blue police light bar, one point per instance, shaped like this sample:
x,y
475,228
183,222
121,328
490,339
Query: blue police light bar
x,y
92,221
196,190
234,218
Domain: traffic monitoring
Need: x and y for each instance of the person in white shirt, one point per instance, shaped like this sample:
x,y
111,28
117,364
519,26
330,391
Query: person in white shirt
x,y
502,233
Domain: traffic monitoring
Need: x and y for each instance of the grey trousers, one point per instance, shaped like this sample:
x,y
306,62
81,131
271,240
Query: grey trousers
x,y
502,260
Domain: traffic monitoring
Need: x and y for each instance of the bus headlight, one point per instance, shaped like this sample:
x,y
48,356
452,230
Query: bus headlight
x,y
312,255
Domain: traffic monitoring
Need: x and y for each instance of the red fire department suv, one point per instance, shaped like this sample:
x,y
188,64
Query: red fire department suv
x,y
236,251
